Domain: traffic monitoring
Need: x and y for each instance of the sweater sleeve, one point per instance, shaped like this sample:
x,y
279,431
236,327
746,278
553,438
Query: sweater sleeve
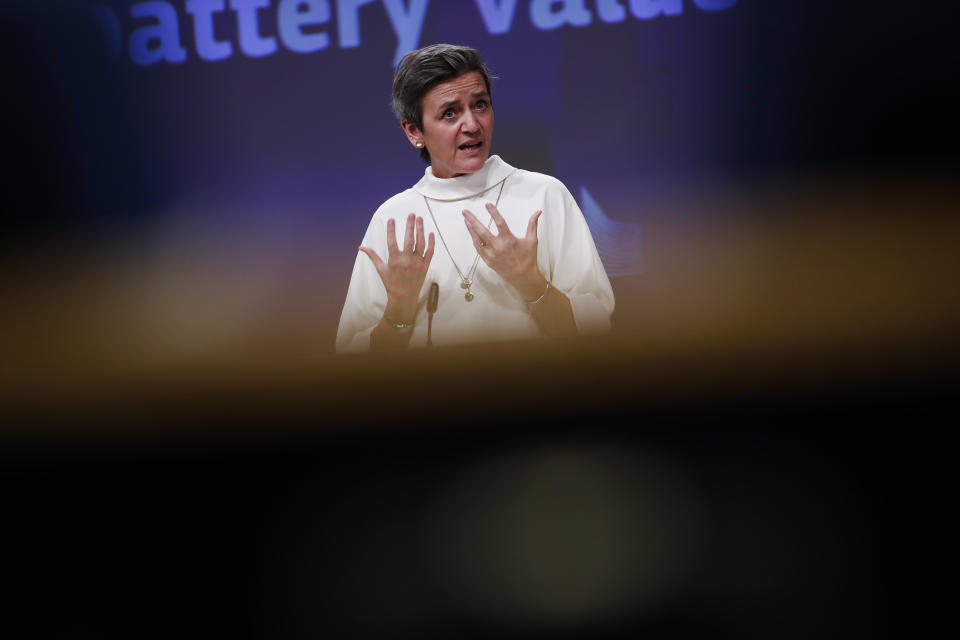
x,y
574,266
366,296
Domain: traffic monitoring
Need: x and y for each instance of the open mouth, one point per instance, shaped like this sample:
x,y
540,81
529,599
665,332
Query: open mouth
x,y
471,145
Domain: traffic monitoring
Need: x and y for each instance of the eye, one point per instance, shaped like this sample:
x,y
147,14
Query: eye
x,y
480,105
448,113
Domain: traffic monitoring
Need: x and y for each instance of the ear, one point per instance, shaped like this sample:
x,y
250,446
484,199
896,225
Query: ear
x,y
413,133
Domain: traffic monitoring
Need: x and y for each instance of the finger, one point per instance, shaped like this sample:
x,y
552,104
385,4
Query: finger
x,y
418,249
428,256
477,230
378,262
470,225
532,226
408,238
471,229
498,219
391,237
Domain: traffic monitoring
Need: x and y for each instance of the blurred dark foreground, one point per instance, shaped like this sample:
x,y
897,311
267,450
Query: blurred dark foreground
x,y
590,490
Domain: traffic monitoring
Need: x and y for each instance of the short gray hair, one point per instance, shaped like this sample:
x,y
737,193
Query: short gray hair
x,y
422,69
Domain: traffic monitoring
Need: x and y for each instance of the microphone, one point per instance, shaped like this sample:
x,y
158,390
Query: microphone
x,y
432,298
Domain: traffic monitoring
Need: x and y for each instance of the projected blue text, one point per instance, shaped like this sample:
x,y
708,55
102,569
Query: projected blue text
x,y
157,31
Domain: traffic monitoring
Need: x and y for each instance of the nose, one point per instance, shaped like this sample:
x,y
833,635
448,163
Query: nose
x,y
470,124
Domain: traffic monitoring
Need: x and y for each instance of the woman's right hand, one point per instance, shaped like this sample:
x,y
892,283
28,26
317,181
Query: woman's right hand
x,y
404,271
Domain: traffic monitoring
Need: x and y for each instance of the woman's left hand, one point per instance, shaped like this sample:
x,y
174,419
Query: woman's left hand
x,y
514,259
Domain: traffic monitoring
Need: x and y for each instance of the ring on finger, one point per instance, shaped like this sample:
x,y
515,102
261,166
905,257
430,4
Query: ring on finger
x,y
482,244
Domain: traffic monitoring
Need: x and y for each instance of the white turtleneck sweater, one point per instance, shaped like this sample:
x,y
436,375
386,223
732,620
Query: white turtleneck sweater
x,y
566,255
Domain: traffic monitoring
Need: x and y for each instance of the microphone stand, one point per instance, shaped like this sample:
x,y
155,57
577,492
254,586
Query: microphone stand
x,y
432,299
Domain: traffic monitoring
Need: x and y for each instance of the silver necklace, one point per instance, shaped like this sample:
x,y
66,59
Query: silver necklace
x,y
466,281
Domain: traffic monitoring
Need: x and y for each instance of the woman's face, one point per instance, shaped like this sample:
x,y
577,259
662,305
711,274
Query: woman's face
x,y
457,125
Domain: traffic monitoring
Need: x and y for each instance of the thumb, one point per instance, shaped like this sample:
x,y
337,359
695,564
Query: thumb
x,y
532,226
377,261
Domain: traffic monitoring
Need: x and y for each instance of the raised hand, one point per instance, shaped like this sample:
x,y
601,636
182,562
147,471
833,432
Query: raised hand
x,y
514,259
405,270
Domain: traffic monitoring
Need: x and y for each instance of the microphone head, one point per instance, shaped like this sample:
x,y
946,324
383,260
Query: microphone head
x,y
433,297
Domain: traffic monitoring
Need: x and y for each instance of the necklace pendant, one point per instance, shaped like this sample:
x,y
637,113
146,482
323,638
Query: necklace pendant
x,y
465,284
468,296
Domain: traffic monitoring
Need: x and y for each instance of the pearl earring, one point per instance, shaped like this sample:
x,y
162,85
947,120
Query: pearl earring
x,y
419,144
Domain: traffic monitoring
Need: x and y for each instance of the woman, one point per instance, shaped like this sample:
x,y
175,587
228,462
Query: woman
x,y
515,257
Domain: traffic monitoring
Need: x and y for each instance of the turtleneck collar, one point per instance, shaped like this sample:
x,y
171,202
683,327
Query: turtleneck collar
x,y
494,171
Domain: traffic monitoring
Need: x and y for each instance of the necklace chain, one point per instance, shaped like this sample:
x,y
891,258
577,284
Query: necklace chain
x,y
465,281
